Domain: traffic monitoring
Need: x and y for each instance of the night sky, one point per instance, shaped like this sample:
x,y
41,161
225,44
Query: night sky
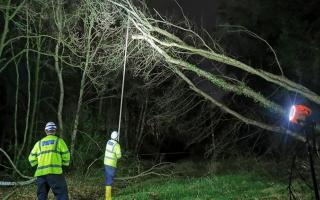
x,y
201,12
209,13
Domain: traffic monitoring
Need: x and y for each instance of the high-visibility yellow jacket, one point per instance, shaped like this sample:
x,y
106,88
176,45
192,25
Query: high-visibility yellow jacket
x,y
112,154
50,153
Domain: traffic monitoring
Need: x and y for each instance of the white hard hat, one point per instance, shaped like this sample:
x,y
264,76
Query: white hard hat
x,y
50,126
114,135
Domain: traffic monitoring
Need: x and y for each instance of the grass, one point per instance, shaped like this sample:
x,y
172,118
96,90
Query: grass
x,y
192,181
222,187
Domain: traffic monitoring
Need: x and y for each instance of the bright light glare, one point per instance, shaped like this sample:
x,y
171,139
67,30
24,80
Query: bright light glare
x,y
292,113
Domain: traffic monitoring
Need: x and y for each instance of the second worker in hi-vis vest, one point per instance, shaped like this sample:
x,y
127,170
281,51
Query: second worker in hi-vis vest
x,y
112,154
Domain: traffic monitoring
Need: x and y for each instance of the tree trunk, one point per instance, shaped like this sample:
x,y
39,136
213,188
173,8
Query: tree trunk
x,y
141,126
7,19
5,27
101,101
28,90
16,108
126,126
82,86
59,21
60,78
35,90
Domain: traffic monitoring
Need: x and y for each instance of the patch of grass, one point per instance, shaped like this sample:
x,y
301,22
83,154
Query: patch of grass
x,y
221,187
233,180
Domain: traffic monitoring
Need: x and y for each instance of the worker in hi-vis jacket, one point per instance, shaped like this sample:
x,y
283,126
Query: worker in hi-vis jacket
x,y
112,154
50,154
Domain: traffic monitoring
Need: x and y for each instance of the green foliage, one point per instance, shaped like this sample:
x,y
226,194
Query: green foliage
x,y
91,141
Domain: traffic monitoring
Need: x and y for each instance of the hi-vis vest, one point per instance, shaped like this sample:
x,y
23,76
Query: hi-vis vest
x,y
50,153
112,154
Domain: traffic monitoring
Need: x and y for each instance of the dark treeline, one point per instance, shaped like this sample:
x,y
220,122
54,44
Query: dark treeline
x,y
62,61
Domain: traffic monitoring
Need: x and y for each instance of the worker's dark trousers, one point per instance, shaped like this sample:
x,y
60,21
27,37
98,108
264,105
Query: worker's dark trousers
x,y
109,172
56,182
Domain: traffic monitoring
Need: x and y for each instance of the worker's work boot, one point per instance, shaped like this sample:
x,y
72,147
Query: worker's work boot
x,y
108,193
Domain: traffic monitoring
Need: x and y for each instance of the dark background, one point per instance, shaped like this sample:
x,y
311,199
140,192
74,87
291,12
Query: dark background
x,y
292,28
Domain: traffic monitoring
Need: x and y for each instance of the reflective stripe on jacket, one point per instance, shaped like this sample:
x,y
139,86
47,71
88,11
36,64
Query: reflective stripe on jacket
x,y
50,153
112,154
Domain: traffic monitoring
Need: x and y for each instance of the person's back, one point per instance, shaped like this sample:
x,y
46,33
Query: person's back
x,y
50,154
112,154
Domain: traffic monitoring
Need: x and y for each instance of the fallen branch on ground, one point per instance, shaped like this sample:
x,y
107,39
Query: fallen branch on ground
x,y
16,183
148,172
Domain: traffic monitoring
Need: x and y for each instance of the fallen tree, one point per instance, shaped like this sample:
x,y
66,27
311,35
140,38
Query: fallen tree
x,y
173,51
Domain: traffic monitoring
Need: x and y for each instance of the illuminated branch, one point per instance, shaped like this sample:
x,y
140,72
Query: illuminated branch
x,y
173,50
246,120
146,27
